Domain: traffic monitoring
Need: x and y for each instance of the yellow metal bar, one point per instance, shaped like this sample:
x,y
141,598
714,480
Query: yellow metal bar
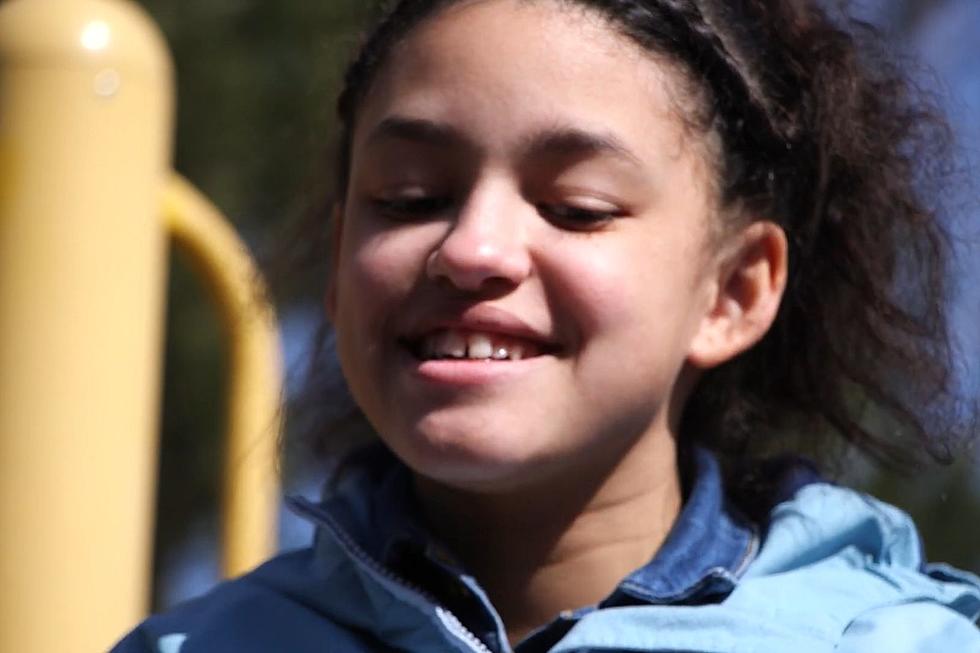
x,y
85,123
251,486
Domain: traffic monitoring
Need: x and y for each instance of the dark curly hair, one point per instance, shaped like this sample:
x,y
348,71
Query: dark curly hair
x,y
821,132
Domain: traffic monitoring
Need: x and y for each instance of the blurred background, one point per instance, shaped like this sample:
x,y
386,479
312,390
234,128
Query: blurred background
x,y
256,82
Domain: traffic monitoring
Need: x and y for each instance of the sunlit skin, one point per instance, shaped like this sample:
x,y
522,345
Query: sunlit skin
x,y
521,169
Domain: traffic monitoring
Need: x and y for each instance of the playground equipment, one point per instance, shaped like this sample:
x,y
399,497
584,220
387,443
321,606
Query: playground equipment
x,y
87,202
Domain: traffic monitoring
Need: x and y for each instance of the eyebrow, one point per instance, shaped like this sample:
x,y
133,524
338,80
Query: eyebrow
x,y
561,140
417,130
574,142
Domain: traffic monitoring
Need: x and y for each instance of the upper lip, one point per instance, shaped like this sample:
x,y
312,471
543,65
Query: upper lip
x,y
480,318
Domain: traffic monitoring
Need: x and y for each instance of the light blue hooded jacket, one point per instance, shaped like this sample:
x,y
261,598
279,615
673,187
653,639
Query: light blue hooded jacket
x,y
829,570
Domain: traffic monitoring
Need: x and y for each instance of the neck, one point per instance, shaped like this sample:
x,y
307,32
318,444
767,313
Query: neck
x,y
564,543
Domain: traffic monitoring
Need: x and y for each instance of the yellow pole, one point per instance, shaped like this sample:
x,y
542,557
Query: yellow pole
x,y
85,122
250,478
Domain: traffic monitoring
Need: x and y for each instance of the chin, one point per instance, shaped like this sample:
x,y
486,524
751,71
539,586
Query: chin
x,y
469,459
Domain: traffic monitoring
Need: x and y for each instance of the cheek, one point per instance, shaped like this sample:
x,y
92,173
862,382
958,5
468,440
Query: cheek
x,y
636,307
618,288
375,274
378,266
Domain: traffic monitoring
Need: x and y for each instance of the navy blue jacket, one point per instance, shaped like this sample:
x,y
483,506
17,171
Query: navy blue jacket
x,y
829,570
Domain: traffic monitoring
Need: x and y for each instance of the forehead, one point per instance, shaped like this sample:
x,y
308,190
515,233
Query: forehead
x,y
499,68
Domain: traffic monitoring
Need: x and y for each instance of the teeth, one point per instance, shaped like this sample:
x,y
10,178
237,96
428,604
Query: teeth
x,y
452,344
480,346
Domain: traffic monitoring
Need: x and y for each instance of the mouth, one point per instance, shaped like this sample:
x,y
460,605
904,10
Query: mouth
x,y
462,345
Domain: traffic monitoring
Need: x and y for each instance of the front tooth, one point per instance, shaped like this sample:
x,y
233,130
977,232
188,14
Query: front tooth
x,y
451,344
480,346
516,353
501,354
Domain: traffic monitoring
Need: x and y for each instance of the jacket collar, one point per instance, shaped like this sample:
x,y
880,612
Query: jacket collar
x,y
707,549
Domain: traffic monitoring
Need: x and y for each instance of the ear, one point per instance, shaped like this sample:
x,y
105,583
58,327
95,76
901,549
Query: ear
x,y
750,281
336,233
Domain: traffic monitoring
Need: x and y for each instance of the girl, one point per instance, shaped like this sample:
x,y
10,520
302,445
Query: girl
x,y
595,262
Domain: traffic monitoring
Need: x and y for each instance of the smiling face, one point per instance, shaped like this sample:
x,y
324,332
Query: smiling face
x,y
523,274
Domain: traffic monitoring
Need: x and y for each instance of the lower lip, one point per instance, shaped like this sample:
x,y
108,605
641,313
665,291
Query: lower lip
x,y
470,373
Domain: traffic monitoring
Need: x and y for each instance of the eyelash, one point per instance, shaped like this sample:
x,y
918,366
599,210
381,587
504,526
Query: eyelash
x,y
412,207
566,215
577,216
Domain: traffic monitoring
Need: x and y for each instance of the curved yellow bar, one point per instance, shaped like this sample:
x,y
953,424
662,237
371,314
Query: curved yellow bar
x,y
251,485
85,125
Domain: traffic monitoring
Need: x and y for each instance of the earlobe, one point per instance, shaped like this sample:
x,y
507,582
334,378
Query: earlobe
x,y
336,233
750,288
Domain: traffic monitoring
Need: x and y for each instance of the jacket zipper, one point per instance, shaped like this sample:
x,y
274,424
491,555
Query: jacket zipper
x,y
449,621
461,632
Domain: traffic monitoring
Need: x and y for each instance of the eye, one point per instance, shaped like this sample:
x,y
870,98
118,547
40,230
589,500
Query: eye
x,y
579,216
411,206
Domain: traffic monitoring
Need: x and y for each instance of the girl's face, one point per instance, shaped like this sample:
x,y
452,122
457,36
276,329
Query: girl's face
x,y
521,188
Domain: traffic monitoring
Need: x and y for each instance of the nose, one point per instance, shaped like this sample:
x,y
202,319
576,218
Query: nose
x,y
485,247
